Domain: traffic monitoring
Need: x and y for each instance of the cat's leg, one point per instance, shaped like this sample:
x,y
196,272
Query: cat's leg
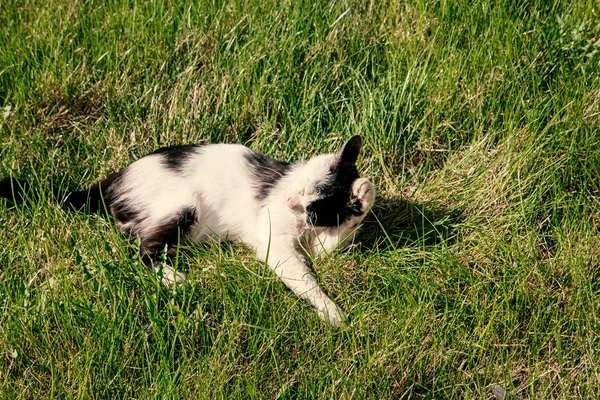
x,y
292,268
166,234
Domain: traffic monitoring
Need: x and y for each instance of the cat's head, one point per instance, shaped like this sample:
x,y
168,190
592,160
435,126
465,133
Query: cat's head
x,y
322,194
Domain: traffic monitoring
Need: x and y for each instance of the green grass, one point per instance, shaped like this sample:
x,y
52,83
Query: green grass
x,y
479,265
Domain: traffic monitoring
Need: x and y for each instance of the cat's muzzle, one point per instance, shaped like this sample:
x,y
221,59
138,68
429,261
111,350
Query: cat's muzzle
x,y
326,212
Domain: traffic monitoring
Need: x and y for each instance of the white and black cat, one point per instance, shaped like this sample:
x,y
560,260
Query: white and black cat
x,y
287,212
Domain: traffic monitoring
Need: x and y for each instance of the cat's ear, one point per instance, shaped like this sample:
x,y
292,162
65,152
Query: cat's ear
x,y
350,150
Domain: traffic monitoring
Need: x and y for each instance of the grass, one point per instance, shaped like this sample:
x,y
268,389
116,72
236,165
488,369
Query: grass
x,y
480,264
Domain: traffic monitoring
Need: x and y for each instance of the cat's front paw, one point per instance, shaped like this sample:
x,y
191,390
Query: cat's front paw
x,y
331,313
364,191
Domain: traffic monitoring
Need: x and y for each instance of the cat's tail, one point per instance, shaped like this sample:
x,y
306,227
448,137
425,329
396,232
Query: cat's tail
x,y
13,189
93,199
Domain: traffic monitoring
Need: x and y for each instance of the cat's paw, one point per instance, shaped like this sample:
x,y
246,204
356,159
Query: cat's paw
x,y
364,191
331,313
170,275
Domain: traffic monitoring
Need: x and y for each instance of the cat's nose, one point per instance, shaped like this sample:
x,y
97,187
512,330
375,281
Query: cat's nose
x,y
294,204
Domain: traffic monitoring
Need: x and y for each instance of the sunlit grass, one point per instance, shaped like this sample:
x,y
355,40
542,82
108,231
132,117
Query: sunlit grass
x,y
479,265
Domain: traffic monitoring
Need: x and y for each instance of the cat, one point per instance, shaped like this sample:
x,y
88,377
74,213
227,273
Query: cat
x,y
288,213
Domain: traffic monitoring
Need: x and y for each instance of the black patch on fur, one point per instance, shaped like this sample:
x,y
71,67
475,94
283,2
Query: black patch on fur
x,y
123,213
97,197
267,172
170,233
355,207
174,157
334,205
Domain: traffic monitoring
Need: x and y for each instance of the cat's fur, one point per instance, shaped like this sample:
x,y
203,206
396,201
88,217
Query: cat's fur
x,y
288,213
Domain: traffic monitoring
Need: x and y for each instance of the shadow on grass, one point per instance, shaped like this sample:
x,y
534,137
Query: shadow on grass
x,y
396,222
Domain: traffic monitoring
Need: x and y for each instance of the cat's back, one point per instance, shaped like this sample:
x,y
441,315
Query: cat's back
x,y
213,180
211,170
187,161
221,162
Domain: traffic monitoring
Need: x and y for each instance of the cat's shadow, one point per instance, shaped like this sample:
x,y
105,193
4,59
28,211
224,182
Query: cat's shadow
x,y
397,222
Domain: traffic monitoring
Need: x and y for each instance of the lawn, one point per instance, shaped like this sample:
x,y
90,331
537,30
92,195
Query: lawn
x,y
479,265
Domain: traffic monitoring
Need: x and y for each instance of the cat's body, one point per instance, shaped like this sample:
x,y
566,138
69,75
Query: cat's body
x,y
287,213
